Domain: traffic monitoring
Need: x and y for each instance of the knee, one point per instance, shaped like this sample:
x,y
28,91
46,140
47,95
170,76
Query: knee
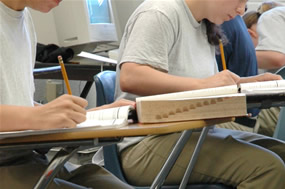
x,y
266,170
278,166
272,165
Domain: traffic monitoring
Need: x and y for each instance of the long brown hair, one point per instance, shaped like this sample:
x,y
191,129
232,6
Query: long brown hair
x,y
214,33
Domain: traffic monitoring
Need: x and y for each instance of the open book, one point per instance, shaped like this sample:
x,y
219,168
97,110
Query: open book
x,y
112,117
228,101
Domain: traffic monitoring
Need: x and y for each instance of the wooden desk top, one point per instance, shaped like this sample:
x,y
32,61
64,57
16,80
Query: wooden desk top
x,y
131,130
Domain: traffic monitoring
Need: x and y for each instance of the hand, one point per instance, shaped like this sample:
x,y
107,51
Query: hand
x,y
261,77
222,78
121,102
65,111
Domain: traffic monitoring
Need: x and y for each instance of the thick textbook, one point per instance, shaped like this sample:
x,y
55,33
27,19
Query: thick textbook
x,y
228,101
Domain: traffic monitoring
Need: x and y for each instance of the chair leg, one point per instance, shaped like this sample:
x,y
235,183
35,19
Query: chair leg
x,y
177,149
194,158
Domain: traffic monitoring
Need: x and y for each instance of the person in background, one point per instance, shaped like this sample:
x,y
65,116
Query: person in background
x,y
270,50
251,18
240,58
23,168
177,53
270,53
267,118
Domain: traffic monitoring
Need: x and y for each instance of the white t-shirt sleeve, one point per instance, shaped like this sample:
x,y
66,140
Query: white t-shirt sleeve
x,y
271,28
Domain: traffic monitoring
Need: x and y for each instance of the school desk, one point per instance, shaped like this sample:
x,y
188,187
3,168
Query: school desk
x,y
72,139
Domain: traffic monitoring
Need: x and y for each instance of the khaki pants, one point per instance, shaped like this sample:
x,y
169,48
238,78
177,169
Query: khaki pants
x,y
268,119
266,123
25,176
236,126
225,157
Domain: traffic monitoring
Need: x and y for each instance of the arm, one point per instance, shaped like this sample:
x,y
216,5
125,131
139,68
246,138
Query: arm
x,y
121,102
145,80
270,59
261,77
65,111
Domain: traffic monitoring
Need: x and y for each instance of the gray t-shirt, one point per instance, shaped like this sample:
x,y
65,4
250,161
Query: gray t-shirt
x,y
271,30
17,48
165,35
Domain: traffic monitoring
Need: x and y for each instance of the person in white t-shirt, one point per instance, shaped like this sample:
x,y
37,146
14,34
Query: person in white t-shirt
x,y
22,168
270,50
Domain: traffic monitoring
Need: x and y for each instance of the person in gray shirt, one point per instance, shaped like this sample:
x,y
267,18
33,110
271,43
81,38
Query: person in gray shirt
x,y
169,46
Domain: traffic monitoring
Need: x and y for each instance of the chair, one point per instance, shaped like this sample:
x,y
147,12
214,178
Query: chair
x,y
280,127
105,87
105,83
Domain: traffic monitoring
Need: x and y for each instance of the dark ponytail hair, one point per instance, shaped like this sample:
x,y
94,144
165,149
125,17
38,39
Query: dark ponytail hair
x,y
215,33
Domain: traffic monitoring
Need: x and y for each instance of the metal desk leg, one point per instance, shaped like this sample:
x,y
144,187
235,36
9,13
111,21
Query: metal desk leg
x,y
55,165
177,149
194,158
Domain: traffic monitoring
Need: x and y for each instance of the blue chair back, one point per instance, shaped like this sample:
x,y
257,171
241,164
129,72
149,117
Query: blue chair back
x,y
105,83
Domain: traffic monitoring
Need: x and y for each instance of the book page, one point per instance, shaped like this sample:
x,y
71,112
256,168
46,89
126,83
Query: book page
x,y
232,89
106,116
265,85
110,113
279,90
104,123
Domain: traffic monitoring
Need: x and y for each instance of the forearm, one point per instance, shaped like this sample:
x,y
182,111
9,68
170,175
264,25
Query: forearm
x,y
260,78
64,112
144,80
14,118
270,59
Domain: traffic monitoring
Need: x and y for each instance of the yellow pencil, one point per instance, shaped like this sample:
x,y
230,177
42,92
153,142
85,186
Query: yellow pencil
x,y
64,74
223,55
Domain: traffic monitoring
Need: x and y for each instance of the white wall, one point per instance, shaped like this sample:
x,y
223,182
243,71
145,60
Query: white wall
x,y
46,34
45,27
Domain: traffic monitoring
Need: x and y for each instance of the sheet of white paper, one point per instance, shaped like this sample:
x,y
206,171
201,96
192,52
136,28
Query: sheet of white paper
x,y
97,57
103,123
